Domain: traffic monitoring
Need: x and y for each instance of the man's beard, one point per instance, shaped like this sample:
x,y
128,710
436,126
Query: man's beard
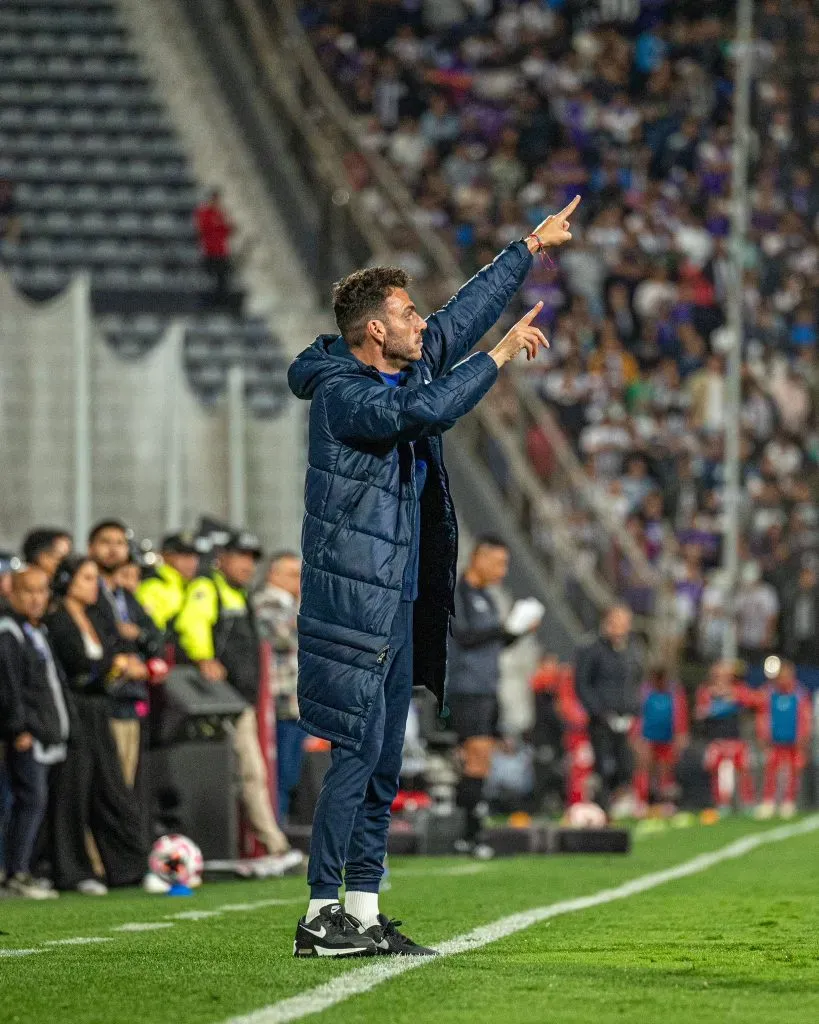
x,y
406,350
109,569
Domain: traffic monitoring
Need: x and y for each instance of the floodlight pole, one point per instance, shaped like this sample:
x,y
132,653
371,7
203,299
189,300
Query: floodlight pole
x,y
733,393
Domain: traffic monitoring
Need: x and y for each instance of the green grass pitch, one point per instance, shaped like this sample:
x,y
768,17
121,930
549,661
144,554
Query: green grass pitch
x,y
736,943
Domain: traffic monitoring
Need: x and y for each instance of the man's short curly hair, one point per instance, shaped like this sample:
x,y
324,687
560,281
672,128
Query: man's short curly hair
x,y
360,297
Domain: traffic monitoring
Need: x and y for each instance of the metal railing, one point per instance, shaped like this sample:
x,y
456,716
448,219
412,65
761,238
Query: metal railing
x,y
277,40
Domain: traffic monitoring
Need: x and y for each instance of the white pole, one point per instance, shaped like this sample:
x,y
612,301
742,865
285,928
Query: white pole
x,y
733,397
82,408
237,470
173,456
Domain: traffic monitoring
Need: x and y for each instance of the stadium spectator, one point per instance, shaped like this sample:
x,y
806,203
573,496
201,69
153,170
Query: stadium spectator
x,y
276,607
607,680
46,547
129,575
118,615
8,564
800,625
163,594
214,228
217,631
88,790
36,722
757,609
478,638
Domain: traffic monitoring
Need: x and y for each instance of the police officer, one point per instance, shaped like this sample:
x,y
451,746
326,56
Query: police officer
x,y
216,629
163,594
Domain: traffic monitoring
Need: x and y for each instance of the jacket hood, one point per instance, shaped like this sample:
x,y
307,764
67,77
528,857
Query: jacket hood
x,y
326,358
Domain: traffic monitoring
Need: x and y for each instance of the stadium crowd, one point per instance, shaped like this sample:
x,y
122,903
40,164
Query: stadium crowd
x,y
494,112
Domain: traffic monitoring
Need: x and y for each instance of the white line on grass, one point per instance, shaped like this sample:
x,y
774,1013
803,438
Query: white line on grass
x,y
142,926
457,869
78,940
193,915
363,979
243,907
19,952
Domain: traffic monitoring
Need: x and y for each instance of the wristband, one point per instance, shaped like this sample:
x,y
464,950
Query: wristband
x,y
541,250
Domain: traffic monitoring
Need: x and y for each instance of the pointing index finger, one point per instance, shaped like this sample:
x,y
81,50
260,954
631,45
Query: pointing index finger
x,y
567,211
527,318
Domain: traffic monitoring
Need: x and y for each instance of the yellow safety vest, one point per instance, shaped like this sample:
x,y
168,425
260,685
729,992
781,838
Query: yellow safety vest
x,y
162,596
196,621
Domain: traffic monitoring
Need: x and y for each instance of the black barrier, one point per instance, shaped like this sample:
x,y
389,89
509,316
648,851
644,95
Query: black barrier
x,y
188,708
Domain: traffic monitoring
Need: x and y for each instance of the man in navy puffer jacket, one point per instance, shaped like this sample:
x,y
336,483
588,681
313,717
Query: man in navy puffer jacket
x,y
379,543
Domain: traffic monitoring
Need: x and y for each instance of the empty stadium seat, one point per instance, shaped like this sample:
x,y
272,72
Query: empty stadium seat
x,y
102,183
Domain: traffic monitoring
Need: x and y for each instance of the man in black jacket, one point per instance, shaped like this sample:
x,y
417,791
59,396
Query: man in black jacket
x,y
35,721
607,682
478,638
118,615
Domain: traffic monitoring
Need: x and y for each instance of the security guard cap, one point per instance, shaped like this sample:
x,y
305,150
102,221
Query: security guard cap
x,y
180,544
245,543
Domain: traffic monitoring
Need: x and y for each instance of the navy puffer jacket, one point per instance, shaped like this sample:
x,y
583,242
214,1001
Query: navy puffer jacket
x,y
359,524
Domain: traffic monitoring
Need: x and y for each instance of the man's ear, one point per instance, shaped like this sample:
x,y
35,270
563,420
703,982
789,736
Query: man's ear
x,y
377,330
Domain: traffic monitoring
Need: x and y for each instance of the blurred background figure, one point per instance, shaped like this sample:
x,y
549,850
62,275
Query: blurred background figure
x,y
720,703
89,790
276,606
46,547
35,712
162,595
218,632
784,731
214,229
661,735
607,680
479,635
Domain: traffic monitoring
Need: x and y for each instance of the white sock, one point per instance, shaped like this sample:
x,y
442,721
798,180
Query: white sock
x,y
363,905
315,906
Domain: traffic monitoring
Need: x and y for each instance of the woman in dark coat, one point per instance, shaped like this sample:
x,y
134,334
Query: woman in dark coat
x,y
88,791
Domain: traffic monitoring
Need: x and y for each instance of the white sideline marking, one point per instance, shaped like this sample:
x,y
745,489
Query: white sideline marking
x,y
192,915
357,981
242,907
458,869
148,926
142,926
78,940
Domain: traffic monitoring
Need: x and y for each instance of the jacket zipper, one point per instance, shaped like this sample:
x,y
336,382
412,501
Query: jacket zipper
x,y
382,655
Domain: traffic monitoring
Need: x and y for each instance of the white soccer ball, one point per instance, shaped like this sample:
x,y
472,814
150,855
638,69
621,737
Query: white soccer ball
x,y
176,860
586,815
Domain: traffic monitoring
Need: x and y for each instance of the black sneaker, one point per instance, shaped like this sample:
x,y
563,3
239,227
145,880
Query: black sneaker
x,y
390,942
332,933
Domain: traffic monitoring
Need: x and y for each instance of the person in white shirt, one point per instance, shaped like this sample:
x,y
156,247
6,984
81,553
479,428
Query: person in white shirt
x,y
757,609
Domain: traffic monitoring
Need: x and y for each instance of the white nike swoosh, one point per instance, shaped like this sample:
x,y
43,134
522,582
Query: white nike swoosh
x,y
319,934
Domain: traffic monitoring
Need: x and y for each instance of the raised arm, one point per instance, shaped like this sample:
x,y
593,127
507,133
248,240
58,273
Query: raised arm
x,y
454,331
362,409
